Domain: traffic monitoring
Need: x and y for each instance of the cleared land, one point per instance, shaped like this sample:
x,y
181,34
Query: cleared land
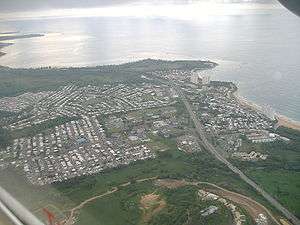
x,y
151,204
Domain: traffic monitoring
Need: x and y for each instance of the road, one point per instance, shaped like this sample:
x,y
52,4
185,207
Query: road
x,y
207,145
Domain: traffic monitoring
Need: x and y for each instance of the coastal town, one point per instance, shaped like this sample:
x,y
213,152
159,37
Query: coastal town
x,y
83,130
89,129
225,119
166,123
177,112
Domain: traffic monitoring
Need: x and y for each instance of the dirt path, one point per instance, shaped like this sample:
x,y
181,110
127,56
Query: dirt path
x,y
71,218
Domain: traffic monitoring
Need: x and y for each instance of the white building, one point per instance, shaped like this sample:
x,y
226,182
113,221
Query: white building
x,y
195,77
261,219
261,137
198,77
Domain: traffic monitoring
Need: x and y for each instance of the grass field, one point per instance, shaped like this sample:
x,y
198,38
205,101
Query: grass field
x,y
280,173
283,185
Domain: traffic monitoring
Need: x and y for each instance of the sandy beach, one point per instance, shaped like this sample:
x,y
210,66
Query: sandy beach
x,y
8,36
287,122
243,101
281,119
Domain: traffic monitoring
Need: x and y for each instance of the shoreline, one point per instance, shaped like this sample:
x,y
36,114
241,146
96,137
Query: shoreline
x,y
4,45
287,122
282,120
4,39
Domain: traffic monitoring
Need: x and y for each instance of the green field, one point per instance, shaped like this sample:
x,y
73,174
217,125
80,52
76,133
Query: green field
x,y
280,173
282,184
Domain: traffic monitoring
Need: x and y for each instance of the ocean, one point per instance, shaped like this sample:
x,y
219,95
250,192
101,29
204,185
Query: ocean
x,y
260,52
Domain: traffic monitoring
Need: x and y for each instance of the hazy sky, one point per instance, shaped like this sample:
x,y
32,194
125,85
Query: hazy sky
x,y
29,5
179,9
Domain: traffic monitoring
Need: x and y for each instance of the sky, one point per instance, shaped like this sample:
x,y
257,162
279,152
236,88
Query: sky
x,y
180,9
32,5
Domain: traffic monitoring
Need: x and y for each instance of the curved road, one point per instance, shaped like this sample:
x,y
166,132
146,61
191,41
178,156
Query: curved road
x,y
211,148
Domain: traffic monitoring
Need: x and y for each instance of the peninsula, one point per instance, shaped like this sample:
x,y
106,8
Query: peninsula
x,y
8,36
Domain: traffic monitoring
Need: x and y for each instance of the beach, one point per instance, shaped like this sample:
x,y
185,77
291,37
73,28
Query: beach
x,y
287,122
9,37
282,120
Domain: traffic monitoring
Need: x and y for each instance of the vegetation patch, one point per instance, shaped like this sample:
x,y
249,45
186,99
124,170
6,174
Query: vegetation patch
x,y
279,174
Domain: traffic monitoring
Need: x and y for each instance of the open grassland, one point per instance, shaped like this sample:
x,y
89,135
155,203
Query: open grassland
x,y
283,185
280,173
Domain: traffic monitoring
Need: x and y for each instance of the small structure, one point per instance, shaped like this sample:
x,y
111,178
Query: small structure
x,y
133,138
81,141
188,144
252,156
198,77
207,196
261,137
261,219
209,210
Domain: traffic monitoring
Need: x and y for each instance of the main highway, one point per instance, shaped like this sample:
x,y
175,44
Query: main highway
x,y
208,146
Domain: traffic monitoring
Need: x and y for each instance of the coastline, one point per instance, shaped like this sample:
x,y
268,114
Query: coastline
x,y
4,44
287,122
245,102
282,120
